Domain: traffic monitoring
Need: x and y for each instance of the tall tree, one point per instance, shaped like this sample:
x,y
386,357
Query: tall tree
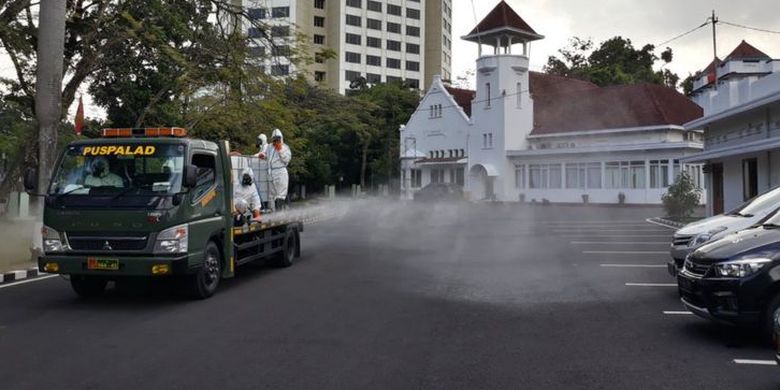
x,y
48,95
614,62
100,36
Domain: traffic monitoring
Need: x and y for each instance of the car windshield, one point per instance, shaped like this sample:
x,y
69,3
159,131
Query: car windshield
x,y
119,170
760,204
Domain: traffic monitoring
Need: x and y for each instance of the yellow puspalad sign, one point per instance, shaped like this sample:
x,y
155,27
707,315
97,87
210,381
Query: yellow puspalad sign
x,y
118,150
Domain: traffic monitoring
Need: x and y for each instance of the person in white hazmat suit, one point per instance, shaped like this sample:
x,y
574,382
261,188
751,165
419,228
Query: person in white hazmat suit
x,y
279,156
101,176
245,196
262,146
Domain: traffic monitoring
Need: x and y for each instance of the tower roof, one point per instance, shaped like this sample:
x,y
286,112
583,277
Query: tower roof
x,y
746,51
503,21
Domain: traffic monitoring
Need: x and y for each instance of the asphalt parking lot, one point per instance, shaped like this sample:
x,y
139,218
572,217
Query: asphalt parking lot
x,y
403,296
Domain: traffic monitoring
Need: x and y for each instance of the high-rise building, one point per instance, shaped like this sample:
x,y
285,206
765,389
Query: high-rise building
x,y
379,40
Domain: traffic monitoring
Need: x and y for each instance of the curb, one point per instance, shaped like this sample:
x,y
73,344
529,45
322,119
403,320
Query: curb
x,y
666,222
15,276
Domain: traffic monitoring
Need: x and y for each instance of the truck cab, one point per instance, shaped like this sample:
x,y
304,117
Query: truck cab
x,y
146,203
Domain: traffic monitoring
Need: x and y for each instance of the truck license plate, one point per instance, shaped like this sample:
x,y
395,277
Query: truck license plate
x,y
97,263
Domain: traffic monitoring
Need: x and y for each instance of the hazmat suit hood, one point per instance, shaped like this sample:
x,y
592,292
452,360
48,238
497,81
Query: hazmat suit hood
x,y
262,140
99,167
277,133
247,171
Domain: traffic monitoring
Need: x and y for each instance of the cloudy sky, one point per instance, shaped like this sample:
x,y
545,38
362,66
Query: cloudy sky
x,y
641,21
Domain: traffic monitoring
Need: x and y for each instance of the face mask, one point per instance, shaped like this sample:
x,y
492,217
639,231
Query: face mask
x,y
98,170
246,180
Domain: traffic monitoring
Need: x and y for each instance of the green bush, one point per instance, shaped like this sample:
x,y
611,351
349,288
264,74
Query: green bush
x,y
681,199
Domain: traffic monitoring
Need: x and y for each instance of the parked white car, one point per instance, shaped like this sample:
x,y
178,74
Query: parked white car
x,y
696,234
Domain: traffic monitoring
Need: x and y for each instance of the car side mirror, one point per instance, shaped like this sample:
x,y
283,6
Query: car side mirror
x,y
30,180
190,176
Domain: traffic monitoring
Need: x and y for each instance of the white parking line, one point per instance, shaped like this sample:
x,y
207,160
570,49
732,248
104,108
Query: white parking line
x,y
618,243
596,235
756,362
660,224
677,313
633,265
610,229
606,226
594,222
36,279
626,252
651,284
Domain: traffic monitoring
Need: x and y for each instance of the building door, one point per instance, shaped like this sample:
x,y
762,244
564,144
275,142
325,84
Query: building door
x,y
480,184
717,188
749,178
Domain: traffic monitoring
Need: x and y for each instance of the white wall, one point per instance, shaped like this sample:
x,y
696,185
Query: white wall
x,y
426,132
739,88
645,195
502,119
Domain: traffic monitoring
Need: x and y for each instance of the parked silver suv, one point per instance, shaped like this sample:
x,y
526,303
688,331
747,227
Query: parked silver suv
x,y
696,234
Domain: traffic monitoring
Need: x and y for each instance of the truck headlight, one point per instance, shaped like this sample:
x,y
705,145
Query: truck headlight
x,y
53,241
172,240
741,268
701,238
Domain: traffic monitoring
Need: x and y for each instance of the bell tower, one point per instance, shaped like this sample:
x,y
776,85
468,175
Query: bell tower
x,y
502,74
502,111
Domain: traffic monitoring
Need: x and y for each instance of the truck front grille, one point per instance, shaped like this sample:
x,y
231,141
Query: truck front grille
x,y
107,243
681,240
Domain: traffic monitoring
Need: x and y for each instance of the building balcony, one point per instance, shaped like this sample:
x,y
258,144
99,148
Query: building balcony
x,y
489,63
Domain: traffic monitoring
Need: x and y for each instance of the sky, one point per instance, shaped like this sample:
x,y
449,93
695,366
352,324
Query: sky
x,y
641,21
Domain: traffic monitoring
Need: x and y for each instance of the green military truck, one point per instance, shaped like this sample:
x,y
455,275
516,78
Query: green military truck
x,y
152,203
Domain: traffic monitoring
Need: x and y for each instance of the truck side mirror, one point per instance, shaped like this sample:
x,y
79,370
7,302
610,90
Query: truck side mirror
x,y
30,180
190,176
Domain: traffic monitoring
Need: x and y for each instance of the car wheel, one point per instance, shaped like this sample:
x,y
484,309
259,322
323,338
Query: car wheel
x,y
772,311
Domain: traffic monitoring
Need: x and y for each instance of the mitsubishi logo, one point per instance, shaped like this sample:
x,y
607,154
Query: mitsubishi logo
x,y
107,246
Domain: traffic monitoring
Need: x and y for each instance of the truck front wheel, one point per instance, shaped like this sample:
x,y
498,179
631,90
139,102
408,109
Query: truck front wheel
x,y
88,286
204,283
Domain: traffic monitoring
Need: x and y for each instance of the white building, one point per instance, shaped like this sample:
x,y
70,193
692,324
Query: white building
x,y
537,137
741,126
379,40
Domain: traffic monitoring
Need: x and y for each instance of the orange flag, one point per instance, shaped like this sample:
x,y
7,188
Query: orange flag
x,y
79,121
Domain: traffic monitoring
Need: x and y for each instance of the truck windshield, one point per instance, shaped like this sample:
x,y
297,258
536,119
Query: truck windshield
x,y
119,170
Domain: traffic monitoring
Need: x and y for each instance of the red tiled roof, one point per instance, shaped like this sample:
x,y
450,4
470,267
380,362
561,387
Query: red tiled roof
x,y
463,97
746,51
711,67
502,16
623,106
547,84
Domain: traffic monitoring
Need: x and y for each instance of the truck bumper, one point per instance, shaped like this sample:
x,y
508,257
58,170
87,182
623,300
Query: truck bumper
x,y
128,266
